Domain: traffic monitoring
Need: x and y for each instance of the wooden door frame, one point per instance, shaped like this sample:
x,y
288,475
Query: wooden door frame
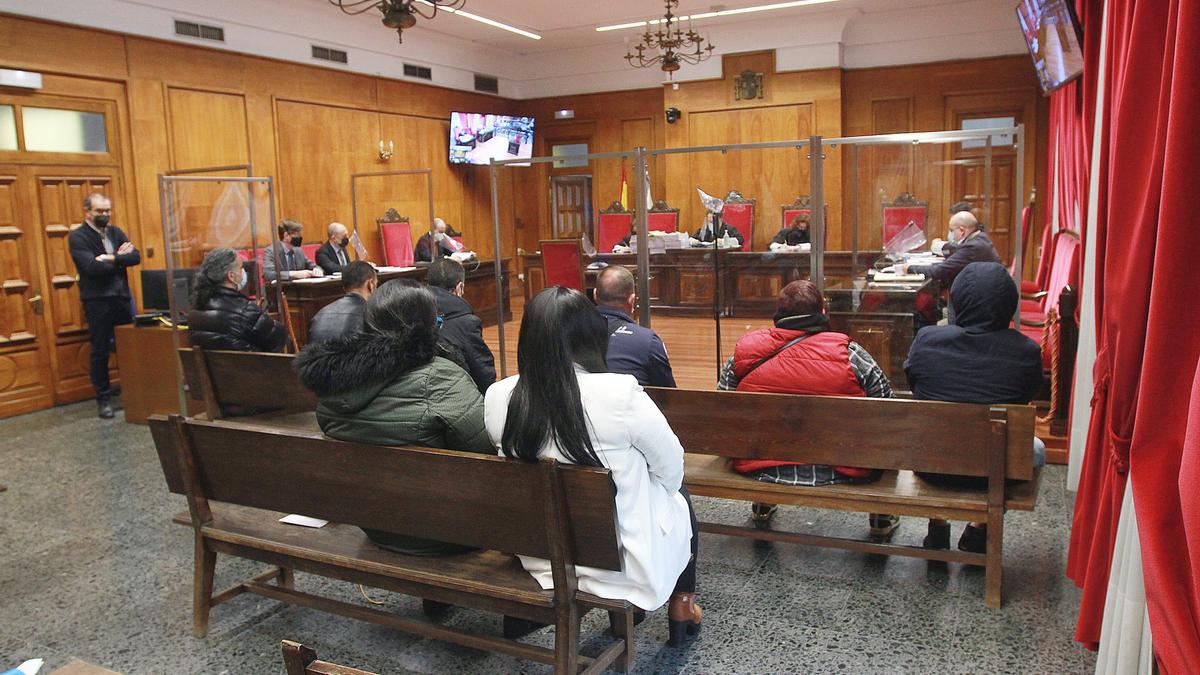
x,y
589,226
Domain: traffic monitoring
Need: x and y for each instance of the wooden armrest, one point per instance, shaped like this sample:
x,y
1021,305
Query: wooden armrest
x,y
1034,296
1031,322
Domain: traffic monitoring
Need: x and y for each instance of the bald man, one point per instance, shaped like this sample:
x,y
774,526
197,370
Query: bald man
x,y
971,244
332,256
632,349
440,241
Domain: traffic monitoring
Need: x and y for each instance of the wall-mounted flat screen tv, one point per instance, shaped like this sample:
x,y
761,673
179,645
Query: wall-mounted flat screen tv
x,y
1055,40
478,138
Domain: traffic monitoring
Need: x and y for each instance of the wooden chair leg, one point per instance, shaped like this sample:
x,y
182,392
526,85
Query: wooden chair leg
x,y
566,641
623,629
994,572
202,587
287,577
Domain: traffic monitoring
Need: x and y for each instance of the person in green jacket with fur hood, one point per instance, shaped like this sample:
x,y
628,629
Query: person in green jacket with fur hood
x,y
391,384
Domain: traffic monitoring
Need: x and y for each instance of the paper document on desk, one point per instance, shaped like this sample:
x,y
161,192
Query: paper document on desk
x,y
314,280
382,269
881,277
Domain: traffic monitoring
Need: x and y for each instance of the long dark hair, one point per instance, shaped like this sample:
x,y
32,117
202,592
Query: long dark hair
x,y
561,328
405,309
216,266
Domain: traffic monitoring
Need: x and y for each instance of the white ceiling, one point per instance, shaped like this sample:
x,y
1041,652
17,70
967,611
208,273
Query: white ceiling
x,y
571,57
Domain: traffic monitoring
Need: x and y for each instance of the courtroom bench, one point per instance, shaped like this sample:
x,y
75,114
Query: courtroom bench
x,y
240,478
900,437
301,660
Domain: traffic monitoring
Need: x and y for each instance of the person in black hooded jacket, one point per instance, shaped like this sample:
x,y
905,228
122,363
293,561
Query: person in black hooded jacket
x,y
461,328
222,317
977,358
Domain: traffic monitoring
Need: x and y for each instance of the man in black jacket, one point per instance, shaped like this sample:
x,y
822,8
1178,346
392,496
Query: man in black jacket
x,y
332,257
971,245
344,317
975,359
101,253
461,328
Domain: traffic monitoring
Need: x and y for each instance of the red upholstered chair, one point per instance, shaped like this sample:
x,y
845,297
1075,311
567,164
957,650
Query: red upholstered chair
x,y
896,215
662,218
1064,271
802,205
1028,288
612,226
396,232
739,213
562,260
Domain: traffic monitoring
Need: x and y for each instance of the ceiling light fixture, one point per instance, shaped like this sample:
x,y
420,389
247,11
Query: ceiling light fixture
x,y
670,47
722,12
402,14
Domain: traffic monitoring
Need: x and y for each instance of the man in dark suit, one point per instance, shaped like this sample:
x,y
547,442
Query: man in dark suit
x,y
632,349
293,263
440,238
461,328
971,245
332,256
101,253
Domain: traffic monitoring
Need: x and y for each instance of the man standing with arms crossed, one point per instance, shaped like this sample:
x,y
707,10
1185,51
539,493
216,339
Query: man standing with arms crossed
x,y
101,253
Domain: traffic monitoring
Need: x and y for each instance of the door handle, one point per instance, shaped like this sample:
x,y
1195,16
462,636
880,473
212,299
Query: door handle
x,y
37,303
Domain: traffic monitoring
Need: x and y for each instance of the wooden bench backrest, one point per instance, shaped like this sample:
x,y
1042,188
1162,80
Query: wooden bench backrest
x,y
475,500
246,379
951,438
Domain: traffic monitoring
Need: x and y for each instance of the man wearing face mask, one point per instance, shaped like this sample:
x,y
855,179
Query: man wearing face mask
x,y
332,256
971,245
441,239
101,253
293,263
222,317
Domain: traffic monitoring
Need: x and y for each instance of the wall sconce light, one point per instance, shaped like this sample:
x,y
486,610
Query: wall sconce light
x,y
386,151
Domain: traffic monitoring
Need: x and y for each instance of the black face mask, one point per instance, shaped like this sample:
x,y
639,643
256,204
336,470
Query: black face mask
x,y
297,240
100,221
344,242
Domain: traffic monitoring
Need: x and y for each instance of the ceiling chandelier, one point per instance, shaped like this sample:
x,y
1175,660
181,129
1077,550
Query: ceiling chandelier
x,y
670,46
399,14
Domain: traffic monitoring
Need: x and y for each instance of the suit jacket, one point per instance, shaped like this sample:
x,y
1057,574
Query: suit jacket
x,y
101,279
422,251
298,261
977,248
327,258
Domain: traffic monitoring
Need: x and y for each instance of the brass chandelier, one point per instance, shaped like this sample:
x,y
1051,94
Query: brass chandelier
x,y
398,14
670,46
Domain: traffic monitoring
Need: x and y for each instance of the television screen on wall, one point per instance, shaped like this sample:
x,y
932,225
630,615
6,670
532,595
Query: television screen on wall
x,y
478,138
1055,40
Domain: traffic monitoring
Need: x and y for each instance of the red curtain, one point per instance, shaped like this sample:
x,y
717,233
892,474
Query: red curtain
x,y
1148,329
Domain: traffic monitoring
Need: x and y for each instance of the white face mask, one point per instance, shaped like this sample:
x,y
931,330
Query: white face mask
x,y
245,279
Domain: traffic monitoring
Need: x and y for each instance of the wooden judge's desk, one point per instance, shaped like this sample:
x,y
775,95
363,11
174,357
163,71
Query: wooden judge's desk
x,y
306,297
883,318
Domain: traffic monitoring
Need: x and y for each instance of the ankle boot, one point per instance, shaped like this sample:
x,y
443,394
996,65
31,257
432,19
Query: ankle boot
x,y
683,618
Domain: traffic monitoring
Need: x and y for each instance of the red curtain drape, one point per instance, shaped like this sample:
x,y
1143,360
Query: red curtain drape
x,y
1147,393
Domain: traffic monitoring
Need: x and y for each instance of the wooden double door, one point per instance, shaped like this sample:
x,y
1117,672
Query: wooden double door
x,y
44,347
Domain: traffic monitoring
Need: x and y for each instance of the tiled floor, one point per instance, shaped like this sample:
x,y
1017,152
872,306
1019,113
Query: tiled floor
x,y
91,567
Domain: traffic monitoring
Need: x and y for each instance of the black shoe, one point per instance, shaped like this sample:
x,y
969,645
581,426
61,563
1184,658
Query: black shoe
x,y
973,539
106,409
434,609
938,536
883,525
517,628
761,514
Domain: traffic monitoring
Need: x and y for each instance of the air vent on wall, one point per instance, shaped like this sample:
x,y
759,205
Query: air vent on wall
x,y
199,30
487,83
417,71
328,54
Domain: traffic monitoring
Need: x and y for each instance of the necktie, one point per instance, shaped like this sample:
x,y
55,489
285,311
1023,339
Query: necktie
x,y
291,259
342,258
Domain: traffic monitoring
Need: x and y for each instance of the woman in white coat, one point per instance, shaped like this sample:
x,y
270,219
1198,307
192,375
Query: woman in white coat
x,y
565,405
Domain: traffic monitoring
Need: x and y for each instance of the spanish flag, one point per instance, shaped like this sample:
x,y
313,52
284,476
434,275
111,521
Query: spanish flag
x,y
624,189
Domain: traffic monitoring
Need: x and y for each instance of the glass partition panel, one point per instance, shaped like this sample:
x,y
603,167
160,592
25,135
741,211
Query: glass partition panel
x,y
59,130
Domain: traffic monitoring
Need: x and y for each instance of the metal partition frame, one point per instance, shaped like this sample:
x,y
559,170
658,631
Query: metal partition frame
x,y
817,146
354,177
166,203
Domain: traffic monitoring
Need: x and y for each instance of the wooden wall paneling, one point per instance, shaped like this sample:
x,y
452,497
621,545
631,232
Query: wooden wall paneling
x,y
24,358
149,137
46,46
207,128
889,168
